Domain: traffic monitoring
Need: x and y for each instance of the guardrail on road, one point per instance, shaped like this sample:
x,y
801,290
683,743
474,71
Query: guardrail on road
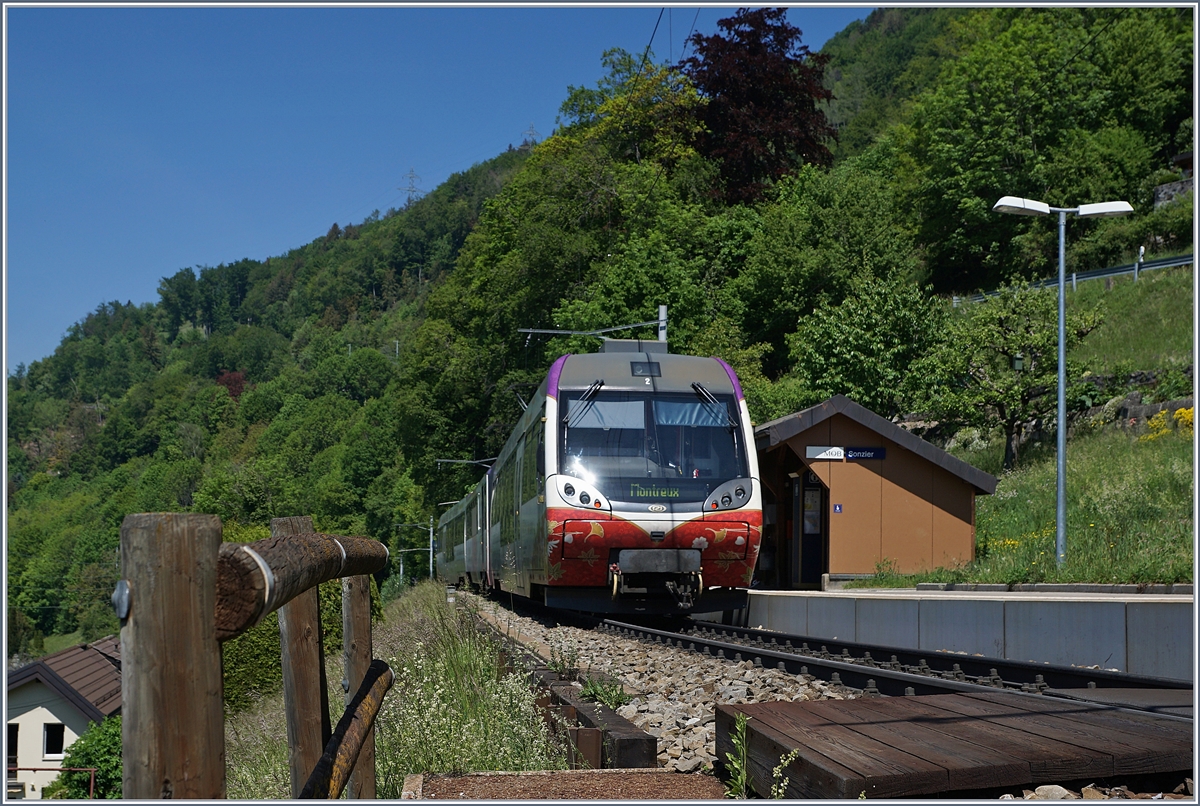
x,y
1112,271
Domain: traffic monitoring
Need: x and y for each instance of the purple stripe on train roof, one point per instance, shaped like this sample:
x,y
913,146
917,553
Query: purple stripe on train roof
x,y
737,387
555,373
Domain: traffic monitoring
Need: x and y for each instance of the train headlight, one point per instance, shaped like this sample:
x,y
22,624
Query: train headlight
x,y
585,499
569,489
732,494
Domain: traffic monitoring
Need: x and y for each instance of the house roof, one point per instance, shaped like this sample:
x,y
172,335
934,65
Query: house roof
x,y
88,676
768,435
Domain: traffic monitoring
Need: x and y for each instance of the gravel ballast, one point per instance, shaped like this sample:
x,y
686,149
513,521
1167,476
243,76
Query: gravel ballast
x,y
674,692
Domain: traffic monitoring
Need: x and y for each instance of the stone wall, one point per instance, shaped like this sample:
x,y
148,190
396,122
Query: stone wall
x,y
1172,190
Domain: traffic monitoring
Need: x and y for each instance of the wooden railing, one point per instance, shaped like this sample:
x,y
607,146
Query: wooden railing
x,y
182,593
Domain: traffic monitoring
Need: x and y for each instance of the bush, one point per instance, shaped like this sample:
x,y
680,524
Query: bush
x,y
99,747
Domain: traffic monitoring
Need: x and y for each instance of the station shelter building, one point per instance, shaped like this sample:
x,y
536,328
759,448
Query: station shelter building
x,y
845,490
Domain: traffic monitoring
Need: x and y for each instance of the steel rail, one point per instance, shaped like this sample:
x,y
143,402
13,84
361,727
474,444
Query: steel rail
x,y
1013,673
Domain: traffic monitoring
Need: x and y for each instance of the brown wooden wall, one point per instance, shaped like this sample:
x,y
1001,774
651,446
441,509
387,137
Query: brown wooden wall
x,y
902,508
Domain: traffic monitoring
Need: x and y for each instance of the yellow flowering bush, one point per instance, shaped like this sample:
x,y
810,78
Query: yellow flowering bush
x,y
1184,420
1158,426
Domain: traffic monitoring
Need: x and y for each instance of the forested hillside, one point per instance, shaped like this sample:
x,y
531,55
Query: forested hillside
x,y
329,380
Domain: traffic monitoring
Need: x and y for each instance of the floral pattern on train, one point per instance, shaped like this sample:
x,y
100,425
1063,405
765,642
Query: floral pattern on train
x,y
579,545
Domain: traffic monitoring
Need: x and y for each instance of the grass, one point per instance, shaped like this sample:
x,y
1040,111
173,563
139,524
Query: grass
x,y
605,691
256,752
1148,324
1129,516
53,643
452,708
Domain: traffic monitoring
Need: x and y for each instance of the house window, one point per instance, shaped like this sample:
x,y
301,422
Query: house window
x,y
54,736
13,729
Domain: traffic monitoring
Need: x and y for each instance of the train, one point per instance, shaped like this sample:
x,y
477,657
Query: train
x,y
629,485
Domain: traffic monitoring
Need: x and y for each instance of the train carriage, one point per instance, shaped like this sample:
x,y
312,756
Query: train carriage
x,y
630,485
451,540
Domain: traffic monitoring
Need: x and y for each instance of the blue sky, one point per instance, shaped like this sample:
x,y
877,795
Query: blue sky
x,y
145,140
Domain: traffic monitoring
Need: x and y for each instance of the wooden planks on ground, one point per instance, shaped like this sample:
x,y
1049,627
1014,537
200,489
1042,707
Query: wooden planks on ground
x,y
906,746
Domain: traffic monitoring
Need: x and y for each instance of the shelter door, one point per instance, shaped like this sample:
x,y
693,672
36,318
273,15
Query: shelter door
x,y
812,504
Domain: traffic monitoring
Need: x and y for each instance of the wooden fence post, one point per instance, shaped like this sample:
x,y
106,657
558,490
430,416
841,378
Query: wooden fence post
x,y
173,720
356,637
305,691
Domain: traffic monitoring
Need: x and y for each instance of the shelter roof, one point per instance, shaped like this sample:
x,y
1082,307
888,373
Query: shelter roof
x,y
770,434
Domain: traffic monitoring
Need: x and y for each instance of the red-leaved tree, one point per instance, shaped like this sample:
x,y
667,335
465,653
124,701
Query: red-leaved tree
x,y
235,382
764,89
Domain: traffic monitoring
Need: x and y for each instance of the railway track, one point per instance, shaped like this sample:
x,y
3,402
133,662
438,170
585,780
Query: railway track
x,y
875,670
681,675
894,671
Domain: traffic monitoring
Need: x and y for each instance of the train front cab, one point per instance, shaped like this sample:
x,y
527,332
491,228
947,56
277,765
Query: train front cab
x,y
669,438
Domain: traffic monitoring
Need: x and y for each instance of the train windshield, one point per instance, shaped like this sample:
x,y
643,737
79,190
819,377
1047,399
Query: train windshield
x,y
652,448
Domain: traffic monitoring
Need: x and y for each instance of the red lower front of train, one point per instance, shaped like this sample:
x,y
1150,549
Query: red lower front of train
x,y
585,551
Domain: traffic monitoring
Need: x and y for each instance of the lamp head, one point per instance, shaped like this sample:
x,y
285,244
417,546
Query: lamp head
x,y
1105,209
1015,205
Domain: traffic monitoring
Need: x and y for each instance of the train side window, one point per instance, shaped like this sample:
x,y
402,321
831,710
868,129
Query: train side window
x,y
541,458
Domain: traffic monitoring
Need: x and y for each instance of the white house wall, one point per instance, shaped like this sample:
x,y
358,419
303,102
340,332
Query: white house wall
x,y
32,706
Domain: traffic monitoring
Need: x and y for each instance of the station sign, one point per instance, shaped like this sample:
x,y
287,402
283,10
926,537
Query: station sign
x,y
866,453
837,452
824,452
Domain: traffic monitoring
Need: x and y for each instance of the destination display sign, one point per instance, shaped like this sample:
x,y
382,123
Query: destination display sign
x,y
847,453
638,490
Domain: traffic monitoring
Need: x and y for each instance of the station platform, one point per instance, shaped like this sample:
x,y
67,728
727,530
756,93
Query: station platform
x,y
1140,633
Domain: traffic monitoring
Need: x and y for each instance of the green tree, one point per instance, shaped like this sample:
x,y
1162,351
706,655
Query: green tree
x,y
177,299
823,229
24,638
971,375
877,65
637,112
865,346
1044,103
99,747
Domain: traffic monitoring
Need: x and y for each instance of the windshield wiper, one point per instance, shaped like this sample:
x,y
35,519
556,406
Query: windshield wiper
x,y
709,399
586,398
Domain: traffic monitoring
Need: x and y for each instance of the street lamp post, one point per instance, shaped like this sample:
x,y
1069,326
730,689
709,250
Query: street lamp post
x,y
1015,205
402,552
422,526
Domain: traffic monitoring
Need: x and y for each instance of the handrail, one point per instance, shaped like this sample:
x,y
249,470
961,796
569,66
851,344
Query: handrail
x,y
332,772
182,592
91,770
255,579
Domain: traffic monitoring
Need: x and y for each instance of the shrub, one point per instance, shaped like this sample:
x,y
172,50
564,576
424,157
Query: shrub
x,y
99,747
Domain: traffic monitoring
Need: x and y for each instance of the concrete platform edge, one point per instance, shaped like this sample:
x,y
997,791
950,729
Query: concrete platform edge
x,y
1137,633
